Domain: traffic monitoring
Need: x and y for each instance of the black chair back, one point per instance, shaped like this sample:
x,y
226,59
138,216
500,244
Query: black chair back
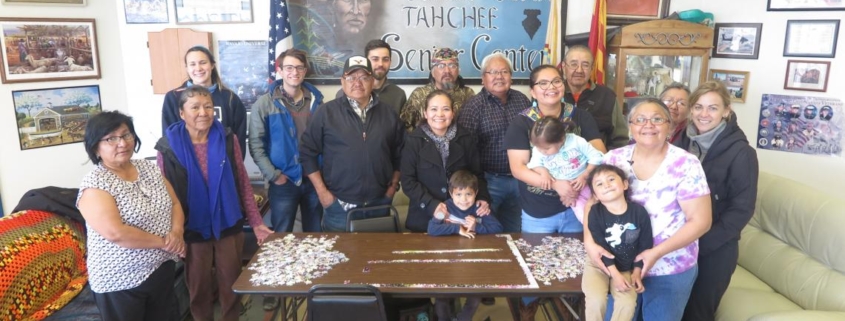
x,y
348,302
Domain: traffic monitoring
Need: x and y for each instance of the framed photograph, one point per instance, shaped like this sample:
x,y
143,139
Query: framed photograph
x,y
807,75
735,81
805,5
241,63
54,116
811,38
737,40
625,12
48,2
213,11
48,49
146,11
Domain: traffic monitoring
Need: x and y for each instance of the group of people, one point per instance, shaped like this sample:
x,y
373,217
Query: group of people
x,y
663,206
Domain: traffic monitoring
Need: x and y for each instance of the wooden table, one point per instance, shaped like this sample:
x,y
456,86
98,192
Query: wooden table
x,y
502,279
499,279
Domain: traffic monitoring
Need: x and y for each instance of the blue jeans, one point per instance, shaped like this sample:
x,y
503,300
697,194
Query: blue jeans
x,y
563,222
504,191
334,216
285,198
665,297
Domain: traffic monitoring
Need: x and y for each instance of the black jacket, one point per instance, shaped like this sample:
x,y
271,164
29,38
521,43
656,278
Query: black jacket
x,y
731,168
426,180
177,175
600,101
358,158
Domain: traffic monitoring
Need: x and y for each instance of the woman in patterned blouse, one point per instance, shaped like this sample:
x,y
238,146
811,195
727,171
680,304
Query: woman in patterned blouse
x,y
670,184
134,224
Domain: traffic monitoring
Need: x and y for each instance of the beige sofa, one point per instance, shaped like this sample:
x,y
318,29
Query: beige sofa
x,y
791,256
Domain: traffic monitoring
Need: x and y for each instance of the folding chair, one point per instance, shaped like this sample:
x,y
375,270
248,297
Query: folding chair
x,y
381,224
348,302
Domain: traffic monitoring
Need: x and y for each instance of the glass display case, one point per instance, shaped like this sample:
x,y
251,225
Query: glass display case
x,y
646,57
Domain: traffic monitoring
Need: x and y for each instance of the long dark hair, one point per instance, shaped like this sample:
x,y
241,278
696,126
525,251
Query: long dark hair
x,y
215,77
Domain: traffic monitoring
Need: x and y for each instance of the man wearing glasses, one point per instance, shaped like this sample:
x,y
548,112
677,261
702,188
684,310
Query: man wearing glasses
x,y
488,115
378,52
445,75
359,140
599,100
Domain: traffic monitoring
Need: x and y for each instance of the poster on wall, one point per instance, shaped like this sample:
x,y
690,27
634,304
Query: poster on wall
x,y
801,124
54,116
242,68
332,31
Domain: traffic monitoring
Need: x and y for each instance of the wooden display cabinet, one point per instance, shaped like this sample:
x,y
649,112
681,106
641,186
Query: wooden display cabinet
x,y
646,57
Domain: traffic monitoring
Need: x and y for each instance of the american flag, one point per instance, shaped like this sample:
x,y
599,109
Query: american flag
x,y
280,38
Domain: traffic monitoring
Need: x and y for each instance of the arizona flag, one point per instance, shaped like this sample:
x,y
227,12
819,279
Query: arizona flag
x,y
598,35
552,47
280,34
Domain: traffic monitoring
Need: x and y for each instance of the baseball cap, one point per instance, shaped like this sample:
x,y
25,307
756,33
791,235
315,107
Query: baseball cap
x,y
357,62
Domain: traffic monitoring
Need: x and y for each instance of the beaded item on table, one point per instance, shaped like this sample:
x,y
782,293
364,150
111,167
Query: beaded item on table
x,y
557,258
441,261
288,261
446,251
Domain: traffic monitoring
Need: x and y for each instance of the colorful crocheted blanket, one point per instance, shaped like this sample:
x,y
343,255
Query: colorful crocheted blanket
x,y
42,264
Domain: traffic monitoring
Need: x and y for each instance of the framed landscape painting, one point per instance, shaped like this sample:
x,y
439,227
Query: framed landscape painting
x,y
54,116
48,49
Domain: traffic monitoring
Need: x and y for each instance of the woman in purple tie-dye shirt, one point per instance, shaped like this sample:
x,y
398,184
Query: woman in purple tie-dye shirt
x,y
670,184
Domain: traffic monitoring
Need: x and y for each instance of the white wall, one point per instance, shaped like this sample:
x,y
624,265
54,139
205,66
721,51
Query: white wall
x,y
62,165
126,86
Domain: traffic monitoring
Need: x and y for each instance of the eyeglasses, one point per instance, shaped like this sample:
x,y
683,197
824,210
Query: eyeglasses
x,y
656,120
443,66
114,140
575,64
363,78
545,84
679,102
498,73
292,68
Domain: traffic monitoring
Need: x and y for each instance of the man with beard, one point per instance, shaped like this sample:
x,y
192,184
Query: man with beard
x,y
488,115
445,75
360,140
599,100
378,52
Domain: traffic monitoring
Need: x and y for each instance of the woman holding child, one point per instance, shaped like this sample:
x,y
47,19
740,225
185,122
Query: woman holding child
x,y
670,184
432,152
731,167
544,210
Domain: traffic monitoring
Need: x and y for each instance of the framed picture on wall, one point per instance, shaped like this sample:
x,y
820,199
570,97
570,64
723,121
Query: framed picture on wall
x,y
47,2
624,12
146,11
54,116
213,11
807,75
811,38
48,49
805,5
735,81
737,40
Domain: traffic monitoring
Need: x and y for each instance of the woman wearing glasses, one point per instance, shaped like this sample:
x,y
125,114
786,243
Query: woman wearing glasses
x,y
134,223
543,211
205,164
731,167
670,184
676,97
202,71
